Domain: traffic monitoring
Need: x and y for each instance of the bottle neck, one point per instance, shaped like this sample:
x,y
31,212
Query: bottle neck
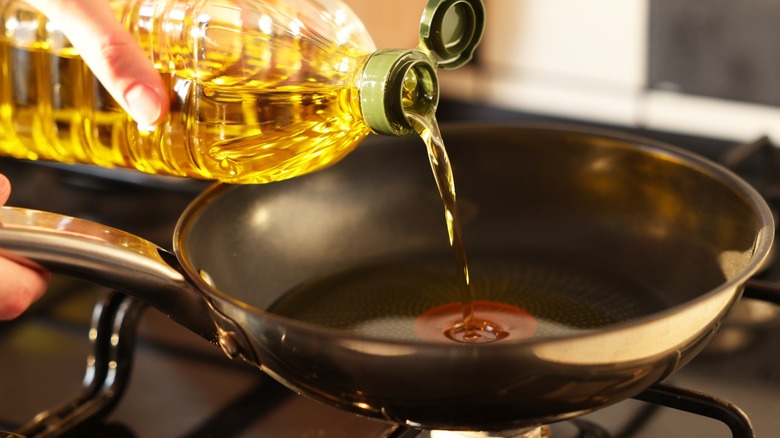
x,y
393,84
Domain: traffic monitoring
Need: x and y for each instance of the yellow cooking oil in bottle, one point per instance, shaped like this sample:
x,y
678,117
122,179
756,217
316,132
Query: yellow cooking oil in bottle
x,y
260,90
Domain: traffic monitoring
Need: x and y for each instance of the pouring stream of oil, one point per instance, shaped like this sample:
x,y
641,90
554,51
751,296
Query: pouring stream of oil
x,y
483,326
427,128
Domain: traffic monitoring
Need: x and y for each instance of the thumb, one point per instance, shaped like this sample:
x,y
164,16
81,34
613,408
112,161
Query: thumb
x,y
5,189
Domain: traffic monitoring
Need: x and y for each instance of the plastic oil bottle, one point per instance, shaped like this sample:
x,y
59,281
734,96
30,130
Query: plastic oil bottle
x,y
260,90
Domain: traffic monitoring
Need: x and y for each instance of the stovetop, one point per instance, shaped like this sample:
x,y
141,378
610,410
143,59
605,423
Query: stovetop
x,y
183,386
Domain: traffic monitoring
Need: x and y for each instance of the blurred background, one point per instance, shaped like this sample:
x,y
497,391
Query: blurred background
x,y
702,67
705,68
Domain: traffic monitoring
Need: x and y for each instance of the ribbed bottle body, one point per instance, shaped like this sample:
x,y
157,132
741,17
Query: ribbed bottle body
x,y
259,90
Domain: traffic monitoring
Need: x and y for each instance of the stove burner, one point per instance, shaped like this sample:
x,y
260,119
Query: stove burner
x,y
658,395
570,429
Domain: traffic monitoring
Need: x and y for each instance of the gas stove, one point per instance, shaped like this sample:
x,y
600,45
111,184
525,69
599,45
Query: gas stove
x,y
148,377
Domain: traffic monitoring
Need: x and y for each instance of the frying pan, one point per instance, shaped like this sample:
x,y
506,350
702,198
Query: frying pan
x,y
635,252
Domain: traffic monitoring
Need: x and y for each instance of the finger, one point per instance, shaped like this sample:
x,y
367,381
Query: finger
x,y
5,189
112,54
21,286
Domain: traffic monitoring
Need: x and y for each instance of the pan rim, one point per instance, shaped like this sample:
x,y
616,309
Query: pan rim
x,y
763,242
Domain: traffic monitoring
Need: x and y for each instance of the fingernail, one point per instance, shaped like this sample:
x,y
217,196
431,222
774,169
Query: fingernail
x,y
144,104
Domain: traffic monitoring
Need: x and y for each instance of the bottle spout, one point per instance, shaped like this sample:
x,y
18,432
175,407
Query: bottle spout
x,y
397,83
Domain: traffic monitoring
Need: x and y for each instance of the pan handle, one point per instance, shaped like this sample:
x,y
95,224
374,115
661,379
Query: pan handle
x,y
108,257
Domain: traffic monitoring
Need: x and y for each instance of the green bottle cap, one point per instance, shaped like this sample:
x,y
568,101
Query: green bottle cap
x,y
396,83
451,30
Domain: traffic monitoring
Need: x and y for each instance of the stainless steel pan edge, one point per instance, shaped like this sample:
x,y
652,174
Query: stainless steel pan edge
x,y
105,256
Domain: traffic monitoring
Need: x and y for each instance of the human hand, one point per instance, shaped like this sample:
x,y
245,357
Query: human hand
x,y
20,285
112,54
